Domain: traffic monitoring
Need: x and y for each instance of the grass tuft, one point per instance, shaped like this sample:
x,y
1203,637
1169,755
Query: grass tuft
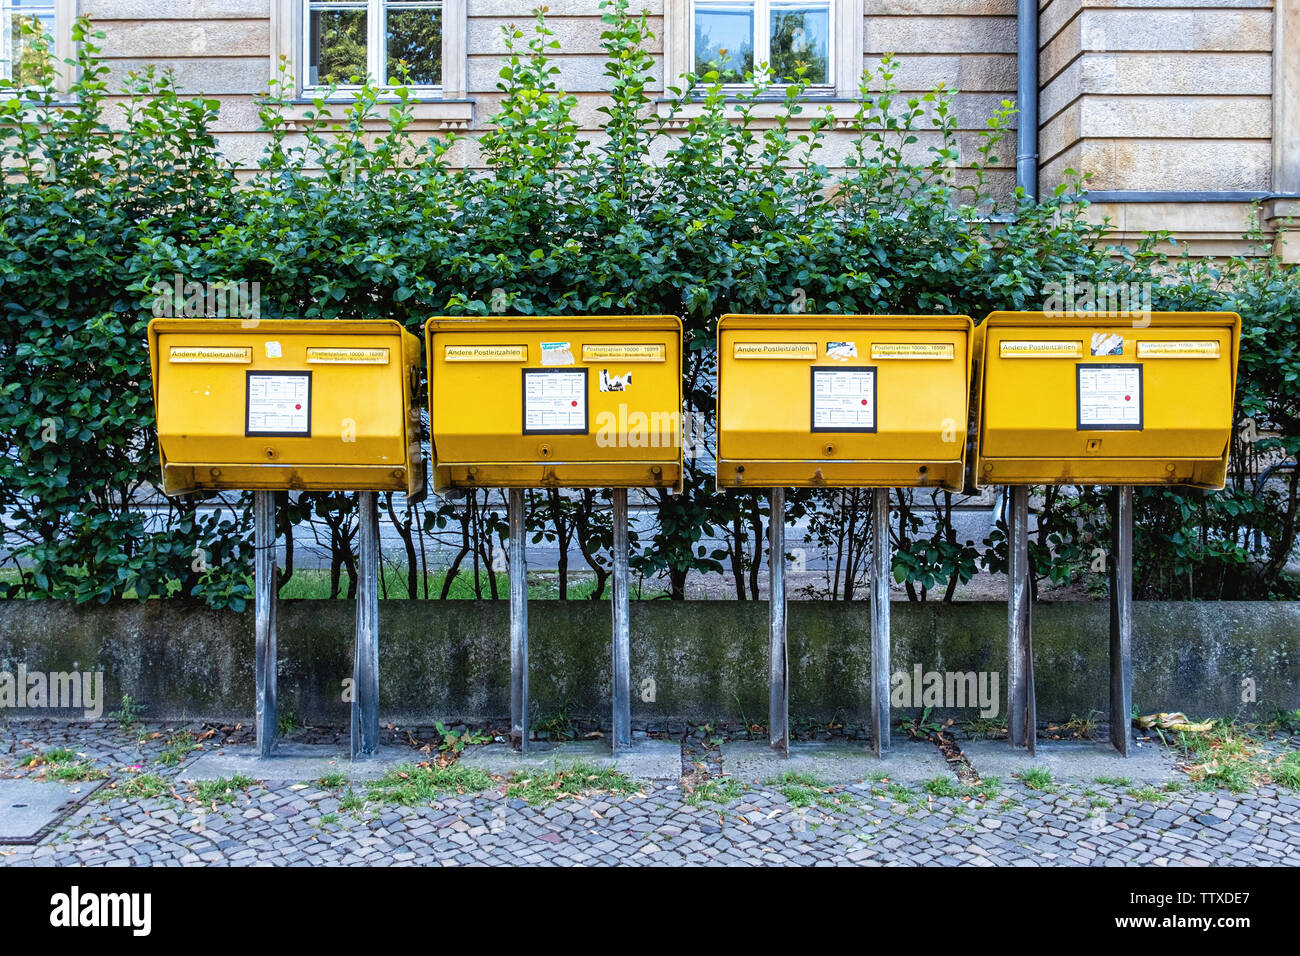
x,y
409,785
223,791
569,782
720,790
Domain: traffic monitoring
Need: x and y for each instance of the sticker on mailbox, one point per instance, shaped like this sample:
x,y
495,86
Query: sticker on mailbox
x,y
278,404
844,399
555,403
557,353
1107,343
1110,397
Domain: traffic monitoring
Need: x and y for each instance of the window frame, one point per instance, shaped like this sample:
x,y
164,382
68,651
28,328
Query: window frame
x,y
290,26
376,53
762,19
847,29
64,12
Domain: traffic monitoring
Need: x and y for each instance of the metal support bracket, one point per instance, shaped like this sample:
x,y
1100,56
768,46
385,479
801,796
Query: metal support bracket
x,y
1121,618
518,624
778,672
264,606
1022,715
622,664
365,662
880,577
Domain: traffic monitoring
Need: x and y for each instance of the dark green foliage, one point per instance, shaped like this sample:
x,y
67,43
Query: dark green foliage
x,y
705,210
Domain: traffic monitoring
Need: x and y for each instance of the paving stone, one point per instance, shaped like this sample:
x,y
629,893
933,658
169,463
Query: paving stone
x,y
280,824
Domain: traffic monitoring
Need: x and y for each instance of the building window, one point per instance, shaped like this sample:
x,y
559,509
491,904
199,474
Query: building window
x,y
347,39
20,59
736,37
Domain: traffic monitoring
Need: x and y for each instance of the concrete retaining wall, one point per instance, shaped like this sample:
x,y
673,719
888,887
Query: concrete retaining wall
x,y
707,660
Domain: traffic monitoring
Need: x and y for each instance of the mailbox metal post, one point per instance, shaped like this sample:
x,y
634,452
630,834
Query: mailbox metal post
x,y
518,624
622,662
264,602
365,665
1022,717
779,666
880,576
1121,617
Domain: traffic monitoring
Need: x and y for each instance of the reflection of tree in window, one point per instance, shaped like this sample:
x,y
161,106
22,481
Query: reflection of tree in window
x,y
415,38
724,40
26,59
338,46
799,36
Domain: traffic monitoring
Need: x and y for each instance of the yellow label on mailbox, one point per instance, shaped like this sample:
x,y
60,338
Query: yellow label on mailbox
x,y
1192,350
623,353
1041,350
486,353
913,350
320,356
207,355
775,350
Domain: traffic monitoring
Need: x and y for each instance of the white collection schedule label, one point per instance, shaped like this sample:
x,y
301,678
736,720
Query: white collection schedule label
x,y
555,401
844,399
279,404
1110,396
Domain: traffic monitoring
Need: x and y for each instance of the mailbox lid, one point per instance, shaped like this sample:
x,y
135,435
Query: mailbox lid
x,y
286,404
578,401
1105,393
783,382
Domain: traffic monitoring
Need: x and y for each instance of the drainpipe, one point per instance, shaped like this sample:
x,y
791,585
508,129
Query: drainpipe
x,y
1027,96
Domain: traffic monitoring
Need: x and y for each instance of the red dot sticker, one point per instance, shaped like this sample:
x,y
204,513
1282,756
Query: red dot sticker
x,y
1128,398
864,401
297,408
574,404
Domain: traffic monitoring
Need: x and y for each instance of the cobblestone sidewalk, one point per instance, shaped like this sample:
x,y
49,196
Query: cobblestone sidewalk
x,y
868,822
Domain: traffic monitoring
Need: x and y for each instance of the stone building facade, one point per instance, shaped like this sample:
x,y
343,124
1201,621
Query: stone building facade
x,y
1186,113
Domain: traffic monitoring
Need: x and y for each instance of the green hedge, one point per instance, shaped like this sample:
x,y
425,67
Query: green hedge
x,y
721,214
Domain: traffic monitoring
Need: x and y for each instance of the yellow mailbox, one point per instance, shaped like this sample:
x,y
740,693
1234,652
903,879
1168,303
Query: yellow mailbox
x,y
280,404
556,401
843,400
1094,399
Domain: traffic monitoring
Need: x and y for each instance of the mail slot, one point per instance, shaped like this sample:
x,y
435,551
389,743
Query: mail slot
x,y
842,400
1087,398
556,401
276,404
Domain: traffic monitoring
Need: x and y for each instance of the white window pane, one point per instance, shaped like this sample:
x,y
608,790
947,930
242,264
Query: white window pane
x,y
336,41
413,36
25,62
800,35
724,39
